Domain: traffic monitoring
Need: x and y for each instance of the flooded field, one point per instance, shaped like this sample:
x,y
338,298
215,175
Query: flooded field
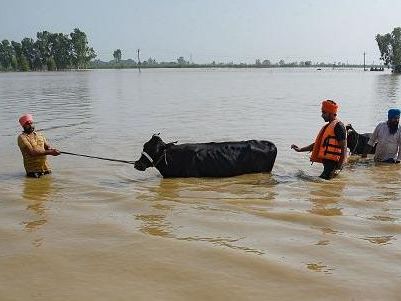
x,y
98,230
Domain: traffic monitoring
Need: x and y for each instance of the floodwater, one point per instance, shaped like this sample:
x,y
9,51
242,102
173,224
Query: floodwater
x,y
99,230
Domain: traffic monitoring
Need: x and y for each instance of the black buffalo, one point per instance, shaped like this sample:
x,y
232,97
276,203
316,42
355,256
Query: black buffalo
x,y
222,159
357,142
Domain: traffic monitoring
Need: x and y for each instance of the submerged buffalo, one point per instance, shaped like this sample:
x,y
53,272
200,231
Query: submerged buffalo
x,y
222,159
357,142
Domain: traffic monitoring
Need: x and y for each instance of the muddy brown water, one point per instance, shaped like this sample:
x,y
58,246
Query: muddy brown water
x,y
97,230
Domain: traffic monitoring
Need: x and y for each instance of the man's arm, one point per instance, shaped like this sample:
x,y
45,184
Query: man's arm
x,y
47,146
371,142
35,152
341,136
307,148
399,150
343,145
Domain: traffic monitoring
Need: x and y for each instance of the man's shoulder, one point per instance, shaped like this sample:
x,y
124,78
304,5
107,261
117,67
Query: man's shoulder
x,y
381,126
339,126
21,137
22,141
340,131
340,123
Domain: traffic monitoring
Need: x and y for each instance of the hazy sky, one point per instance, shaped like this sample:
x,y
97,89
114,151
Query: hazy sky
x,y
220,30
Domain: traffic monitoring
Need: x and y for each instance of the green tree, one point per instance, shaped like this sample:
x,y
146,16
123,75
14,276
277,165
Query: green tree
x,y
82,54
266,63
151,61
31,53
6,55
42,44
181,60
51,64
14,63
60,47
390,49
22,62
117,55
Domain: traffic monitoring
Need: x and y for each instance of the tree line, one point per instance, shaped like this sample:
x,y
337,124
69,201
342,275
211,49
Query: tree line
x,y
59,51
181,62
50,51
389,45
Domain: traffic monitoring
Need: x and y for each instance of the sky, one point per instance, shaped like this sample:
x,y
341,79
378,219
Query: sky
x,y
213,30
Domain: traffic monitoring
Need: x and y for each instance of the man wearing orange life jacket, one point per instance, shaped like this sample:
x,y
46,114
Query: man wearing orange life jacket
x,y
330,146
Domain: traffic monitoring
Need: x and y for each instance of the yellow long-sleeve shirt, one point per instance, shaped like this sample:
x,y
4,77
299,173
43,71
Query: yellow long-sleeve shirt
x,y
33,141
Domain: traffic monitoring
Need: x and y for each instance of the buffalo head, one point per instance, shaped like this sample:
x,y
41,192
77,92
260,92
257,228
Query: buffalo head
x,y
153,151
357,142
352,136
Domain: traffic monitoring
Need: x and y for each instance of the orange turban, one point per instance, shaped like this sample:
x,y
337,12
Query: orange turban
x,y
329,106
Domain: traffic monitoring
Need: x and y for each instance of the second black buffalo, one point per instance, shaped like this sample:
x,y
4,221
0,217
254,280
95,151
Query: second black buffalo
x,y
357,142
213,159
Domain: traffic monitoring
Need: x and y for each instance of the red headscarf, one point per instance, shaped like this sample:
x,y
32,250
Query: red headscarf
x,y
25,118
329,106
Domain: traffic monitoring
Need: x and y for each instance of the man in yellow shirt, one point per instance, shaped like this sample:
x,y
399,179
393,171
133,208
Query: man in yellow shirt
x,y
34,149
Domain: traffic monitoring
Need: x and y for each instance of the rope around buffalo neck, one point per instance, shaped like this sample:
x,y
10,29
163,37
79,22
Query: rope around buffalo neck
x,y
357,141
158,161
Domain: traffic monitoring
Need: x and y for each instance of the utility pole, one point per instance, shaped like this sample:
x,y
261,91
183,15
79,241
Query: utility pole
x,y
364,65
139,62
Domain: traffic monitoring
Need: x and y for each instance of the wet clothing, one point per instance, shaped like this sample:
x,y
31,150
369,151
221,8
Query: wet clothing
x,y
326,146
328,168
327,141
32,164
388,145
340,131
37,174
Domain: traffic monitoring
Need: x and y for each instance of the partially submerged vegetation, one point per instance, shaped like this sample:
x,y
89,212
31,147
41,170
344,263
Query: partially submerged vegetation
x,y
118,63
59,51
50,52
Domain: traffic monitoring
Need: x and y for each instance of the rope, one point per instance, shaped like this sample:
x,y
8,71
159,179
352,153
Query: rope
x,y
100,158
357,141
158,161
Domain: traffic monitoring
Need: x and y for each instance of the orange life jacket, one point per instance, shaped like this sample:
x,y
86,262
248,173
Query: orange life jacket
x,y
326,145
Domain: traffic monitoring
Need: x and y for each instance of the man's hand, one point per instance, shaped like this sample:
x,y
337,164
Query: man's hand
x,y
295,147
54,152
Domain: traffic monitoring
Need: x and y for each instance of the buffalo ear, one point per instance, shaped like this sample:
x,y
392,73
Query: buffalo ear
x,y
349,127
158,134
170,144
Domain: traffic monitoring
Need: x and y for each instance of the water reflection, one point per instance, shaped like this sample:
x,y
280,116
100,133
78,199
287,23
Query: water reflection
x,y
225,242
387,87
37,193
154,224
387,95
167,199
379,240
168,189
326,196
319,267
386,179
